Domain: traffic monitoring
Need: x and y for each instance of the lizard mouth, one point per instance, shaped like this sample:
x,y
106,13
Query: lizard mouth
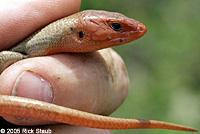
x,y
139,31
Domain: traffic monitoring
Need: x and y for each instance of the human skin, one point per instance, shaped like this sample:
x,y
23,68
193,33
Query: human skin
x,y
94,82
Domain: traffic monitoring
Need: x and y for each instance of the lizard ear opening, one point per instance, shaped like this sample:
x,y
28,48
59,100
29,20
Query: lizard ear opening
x,y
81,34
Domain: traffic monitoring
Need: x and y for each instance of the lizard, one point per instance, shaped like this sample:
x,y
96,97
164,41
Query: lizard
x,y
85,31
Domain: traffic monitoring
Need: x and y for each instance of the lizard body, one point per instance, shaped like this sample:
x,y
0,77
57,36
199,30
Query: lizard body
x,y
85,31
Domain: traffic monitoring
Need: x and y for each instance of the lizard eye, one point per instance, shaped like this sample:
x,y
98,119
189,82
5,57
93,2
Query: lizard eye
x,y
116,26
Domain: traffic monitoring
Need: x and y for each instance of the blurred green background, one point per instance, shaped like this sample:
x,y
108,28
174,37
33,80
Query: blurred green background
x,y
164,65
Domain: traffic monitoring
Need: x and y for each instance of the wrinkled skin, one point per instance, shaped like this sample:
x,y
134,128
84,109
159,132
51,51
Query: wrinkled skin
x,y
22,22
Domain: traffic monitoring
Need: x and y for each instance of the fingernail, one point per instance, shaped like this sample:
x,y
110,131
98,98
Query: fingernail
x,y
34,86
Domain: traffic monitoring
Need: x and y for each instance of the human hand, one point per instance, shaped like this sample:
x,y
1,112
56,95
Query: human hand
x,y
94,82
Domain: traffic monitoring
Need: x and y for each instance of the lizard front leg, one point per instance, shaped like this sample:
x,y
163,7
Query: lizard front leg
x,y
8,57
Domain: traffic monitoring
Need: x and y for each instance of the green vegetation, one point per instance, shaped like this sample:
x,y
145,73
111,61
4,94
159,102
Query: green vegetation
x,y
164,65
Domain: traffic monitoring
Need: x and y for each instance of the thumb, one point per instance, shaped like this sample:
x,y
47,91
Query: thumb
x,y
93,82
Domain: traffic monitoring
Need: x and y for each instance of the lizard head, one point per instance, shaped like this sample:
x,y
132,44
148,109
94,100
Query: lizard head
x,y
101,29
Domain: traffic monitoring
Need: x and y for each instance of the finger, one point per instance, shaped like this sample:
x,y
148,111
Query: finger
x,y
22,17
93,82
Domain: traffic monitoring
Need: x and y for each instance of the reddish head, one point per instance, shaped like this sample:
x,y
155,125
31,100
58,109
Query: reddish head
x,y
85,31
101,29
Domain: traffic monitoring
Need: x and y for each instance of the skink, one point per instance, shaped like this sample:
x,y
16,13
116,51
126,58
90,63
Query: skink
x,y
86,31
